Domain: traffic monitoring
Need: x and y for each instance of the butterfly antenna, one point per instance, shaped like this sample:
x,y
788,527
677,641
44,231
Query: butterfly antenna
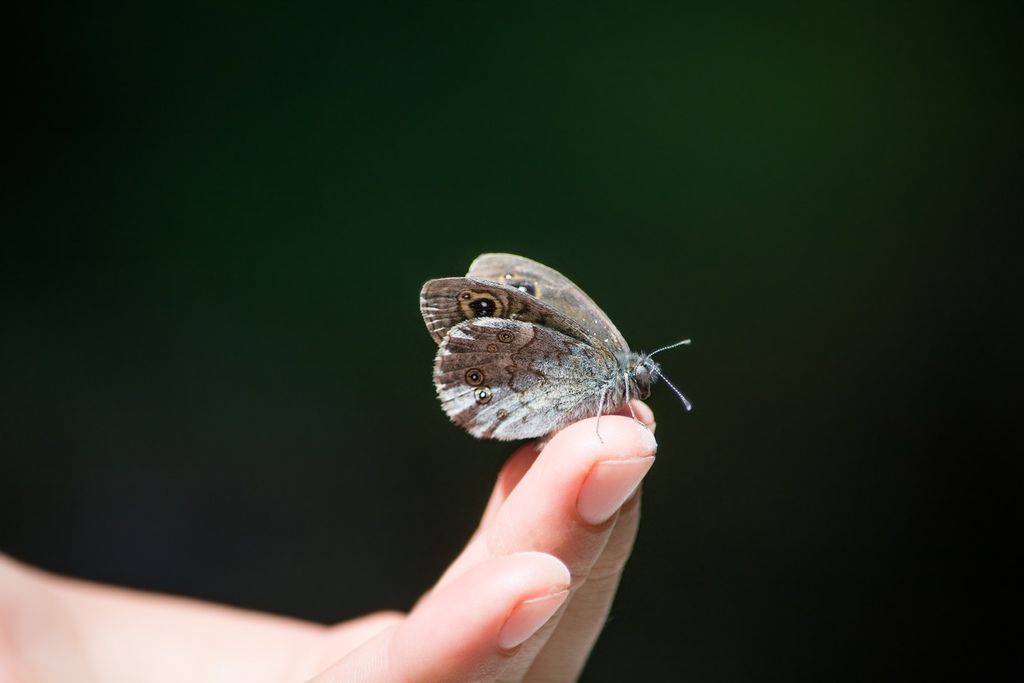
x,y
670,346
686,401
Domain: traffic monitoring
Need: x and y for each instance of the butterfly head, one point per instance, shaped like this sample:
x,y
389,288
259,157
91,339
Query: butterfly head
x,y
644,372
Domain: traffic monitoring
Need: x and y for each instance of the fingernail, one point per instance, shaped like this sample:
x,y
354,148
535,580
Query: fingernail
x,y
609,485
528,617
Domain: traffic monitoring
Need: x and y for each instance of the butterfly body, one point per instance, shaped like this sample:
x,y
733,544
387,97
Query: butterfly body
x,y
523,352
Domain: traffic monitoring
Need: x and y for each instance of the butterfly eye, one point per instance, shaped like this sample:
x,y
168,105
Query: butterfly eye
x,y
506,337
483,395
474,377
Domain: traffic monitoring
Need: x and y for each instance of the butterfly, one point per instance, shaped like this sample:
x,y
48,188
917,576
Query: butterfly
x,y
523,352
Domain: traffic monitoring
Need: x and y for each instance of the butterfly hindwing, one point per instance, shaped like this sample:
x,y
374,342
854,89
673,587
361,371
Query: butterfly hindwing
x,y
508,379
552,288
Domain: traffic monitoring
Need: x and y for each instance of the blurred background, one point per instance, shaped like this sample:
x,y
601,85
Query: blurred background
x,y
216,210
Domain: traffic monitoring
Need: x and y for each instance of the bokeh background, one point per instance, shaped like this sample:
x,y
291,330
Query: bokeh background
x,y
214,380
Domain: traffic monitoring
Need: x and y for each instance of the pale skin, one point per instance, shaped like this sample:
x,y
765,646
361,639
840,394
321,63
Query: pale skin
x,y
524,601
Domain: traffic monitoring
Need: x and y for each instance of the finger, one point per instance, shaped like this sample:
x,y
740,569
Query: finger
x,y
467,630
520,461
566,650
566,503
511,474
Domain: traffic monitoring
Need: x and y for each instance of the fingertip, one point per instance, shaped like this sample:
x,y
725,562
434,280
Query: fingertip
x,y
641,411
472,623
535,607
613,436
518,576
546,568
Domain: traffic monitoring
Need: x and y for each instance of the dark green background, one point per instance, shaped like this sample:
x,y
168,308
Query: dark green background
x,y
215,380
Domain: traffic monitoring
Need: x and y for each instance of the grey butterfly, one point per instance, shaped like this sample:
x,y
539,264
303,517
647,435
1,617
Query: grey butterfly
x,y
524,352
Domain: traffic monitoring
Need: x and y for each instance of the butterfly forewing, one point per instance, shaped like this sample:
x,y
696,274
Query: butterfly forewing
x,y
508,379
446,302
555,290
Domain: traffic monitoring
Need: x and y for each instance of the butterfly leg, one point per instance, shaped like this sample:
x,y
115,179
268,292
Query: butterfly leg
x,y
600,409
629,403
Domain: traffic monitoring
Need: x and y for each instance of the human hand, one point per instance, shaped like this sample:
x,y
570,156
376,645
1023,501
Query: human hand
x,y
528,596
524,601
